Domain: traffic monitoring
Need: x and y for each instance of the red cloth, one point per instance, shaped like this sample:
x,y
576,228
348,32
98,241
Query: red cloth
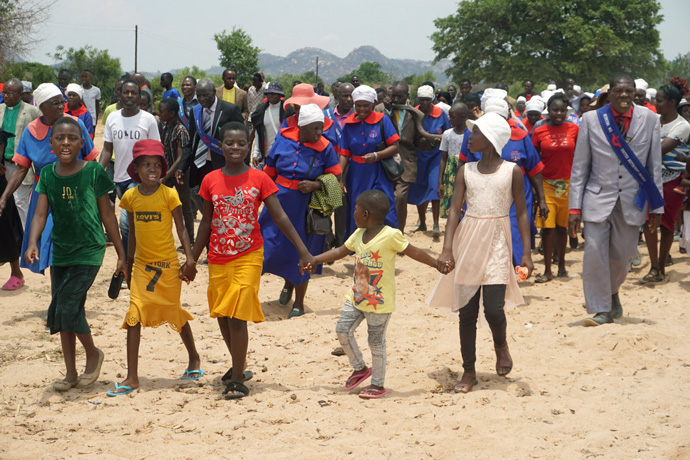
x,y
557,147
651,107
627,116
235,229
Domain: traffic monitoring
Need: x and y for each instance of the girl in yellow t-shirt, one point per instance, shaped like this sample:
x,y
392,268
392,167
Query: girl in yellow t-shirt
x,y
372,296
154,269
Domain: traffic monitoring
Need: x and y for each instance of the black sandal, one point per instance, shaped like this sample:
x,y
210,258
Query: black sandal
x,y
235,390
654,276
227,378
286,295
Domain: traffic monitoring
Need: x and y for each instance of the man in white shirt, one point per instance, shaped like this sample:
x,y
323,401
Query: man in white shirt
x,y
123,128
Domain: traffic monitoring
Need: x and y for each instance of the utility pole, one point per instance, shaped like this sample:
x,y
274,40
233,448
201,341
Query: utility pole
x,y
317,69
136,43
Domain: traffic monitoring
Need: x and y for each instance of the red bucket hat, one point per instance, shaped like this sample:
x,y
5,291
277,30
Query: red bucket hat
x,y
304,94
147,148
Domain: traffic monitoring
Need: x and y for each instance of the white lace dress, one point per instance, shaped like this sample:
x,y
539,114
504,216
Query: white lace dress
x,y
482,241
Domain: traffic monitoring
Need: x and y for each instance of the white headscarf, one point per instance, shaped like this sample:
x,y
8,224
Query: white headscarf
x,y
496,105
492,93
641,84
535,105
651,94
308,114
551,87
425,91
494,127
364,93
28,86
74,88
44,92
521,99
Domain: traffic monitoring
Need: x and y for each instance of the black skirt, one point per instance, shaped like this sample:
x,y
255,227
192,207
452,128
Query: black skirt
x,y
11,231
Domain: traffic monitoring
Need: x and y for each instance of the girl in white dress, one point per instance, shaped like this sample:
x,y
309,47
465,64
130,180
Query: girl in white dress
x,y
476,252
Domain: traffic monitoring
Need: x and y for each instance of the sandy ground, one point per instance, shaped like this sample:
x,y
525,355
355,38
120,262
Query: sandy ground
x,y
617,391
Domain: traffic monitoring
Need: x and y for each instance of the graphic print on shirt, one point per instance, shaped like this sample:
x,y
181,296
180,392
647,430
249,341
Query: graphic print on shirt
x,y
366,280
134,134
234,221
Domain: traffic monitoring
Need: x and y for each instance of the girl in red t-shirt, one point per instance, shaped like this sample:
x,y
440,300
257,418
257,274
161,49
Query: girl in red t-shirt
x,y
232,197
555,141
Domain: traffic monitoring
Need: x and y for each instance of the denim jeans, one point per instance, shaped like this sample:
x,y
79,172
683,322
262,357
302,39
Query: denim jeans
x,y
122,187
377,323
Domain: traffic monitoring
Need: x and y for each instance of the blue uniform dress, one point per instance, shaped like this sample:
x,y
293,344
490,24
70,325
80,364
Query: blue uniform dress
x,y
34,148
329,129
358,139
519,150
426,186
288,163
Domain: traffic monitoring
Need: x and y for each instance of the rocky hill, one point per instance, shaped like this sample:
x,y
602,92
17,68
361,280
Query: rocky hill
x,y
331,66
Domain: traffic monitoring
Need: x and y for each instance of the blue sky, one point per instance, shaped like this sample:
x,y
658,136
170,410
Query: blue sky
x,y
181,35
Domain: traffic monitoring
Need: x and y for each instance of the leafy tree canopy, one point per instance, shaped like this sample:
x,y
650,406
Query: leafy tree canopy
x,y
34,72
105,69
587,40
369,73
238,53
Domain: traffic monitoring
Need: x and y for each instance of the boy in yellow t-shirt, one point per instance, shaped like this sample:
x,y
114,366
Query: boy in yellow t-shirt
x,y
372,296
155,271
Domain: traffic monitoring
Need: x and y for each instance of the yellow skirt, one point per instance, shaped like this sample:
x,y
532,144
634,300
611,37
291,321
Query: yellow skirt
x,y
233,288
155,296
556,194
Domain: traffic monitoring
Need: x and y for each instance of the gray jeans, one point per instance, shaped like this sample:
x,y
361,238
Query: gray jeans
x,y
377,323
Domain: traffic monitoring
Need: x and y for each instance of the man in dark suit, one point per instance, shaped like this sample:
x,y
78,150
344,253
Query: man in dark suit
x,y
405,126
203,155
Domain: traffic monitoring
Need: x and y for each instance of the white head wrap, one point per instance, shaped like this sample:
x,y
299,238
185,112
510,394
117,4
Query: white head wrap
x,y
44,92
425,91
496,105
494,127
364,93
651,94
535,105
308,114
641,84
551,87
546,94
493,93
28,86
577,89
521,99
74,88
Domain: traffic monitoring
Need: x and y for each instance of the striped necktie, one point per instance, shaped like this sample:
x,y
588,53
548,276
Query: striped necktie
x,y
202,149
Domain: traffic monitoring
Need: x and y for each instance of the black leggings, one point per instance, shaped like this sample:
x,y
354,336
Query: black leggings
x,y
494,300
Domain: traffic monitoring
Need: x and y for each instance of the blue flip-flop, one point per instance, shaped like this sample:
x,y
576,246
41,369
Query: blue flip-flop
x,y
127,389
192,375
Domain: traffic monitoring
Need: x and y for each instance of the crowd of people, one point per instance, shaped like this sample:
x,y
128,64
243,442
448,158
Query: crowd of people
x,y
285,185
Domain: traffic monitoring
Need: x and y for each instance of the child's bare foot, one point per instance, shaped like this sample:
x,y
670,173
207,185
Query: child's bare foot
x,y
357,377
468,380
373,392
504,363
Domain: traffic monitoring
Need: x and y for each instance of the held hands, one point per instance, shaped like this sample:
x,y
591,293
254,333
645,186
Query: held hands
x,y
445,262
188,271
440,191
574,224
307,262
308,186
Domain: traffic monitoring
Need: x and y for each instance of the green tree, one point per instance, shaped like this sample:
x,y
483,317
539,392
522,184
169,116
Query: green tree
x,y
587,40
105,69
369,73
18,24
34,72
415,80
679,66
238,53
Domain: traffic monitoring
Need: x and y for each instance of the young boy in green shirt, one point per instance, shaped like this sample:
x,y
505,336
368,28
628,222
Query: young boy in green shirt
x,y
77,193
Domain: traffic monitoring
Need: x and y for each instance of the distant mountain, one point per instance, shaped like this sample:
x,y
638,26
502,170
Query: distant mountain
x,y
331,66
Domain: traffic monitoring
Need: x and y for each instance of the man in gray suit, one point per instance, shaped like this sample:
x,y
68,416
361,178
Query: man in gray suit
x,y
611,200
15,115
